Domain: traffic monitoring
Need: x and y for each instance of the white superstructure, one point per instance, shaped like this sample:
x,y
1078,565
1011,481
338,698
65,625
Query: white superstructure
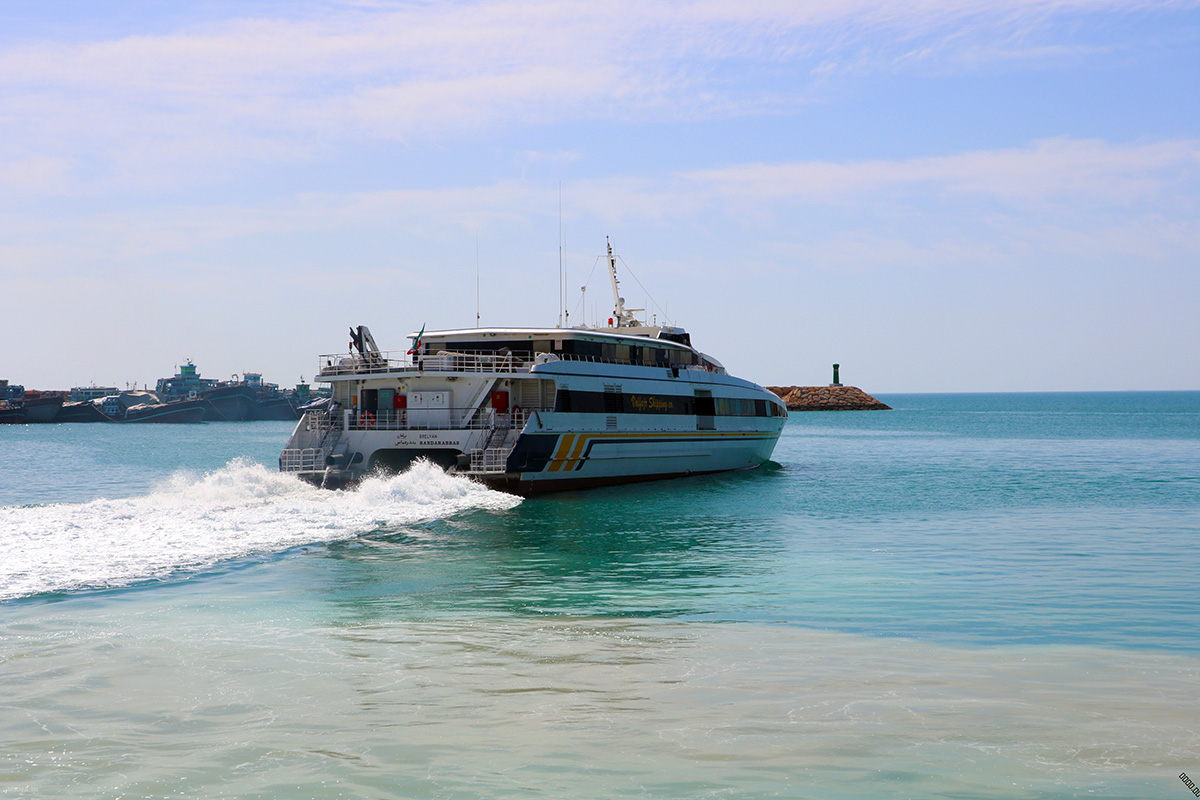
x,y
530,410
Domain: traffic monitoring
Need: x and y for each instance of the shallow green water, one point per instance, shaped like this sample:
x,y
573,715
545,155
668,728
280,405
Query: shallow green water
x,y
969,596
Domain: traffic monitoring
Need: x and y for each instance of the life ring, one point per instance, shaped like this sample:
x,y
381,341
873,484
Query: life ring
x,y
516,411
368,419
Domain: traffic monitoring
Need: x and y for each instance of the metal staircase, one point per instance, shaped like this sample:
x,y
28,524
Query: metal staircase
x,y
493,456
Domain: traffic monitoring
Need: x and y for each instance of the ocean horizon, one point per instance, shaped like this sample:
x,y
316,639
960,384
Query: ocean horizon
x,y
985,595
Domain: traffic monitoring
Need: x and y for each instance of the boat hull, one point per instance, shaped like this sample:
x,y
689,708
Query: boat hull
x,y
228,404
43,409
543,463
277,408
80,412
182,412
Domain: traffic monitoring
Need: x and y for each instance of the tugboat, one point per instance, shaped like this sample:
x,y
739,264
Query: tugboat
x,y
531,410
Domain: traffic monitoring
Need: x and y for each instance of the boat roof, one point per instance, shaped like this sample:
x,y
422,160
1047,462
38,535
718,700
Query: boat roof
x,y
651,332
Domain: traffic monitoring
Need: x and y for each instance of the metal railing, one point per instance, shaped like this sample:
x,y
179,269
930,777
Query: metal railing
x,y
442,361
491,459
308,459
474,362
414,419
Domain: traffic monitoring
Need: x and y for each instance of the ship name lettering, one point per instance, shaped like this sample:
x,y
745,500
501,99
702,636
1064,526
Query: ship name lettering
x,y
645,403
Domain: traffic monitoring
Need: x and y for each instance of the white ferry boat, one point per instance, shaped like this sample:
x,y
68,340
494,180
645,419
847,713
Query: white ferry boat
x,y
531,410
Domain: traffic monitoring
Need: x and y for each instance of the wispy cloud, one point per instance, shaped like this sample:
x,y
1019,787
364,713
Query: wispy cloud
x,y
1064,195
203,100
1083,172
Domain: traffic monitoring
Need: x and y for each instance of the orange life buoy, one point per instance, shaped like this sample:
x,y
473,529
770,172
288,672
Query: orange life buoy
x,y
516,411
368,419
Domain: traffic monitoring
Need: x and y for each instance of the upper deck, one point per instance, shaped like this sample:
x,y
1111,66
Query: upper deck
x,y
515,350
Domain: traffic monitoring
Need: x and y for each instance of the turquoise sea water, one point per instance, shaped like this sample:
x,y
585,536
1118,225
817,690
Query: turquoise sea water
x,y
971,596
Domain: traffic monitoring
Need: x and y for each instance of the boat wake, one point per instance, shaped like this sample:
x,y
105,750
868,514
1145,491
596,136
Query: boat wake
x,y
195,521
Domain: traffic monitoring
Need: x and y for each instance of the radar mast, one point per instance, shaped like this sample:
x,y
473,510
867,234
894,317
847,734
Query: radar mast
x,y
623,317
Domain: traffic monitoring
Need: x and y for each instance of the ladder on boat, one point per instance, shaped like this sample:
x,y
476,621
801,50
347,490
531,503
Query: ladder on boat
x,y
492,457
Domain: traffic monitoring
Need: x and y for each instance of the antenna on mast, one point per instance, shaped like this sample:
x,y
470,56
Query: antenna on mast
x,y
476,279
621,316
562,302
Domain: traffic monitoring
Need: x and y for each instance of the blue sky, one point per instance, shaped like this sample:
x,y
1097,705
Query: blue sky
x,y
952,195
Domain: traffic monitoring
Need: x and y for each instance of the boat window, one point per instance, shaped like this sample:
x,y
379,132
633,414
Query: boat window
x,y
705,410
517,348
581,348
682,338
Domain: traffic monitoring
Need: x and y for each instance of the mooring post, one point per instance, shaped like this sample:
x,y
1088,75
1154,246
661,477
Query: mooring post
x,y
835,375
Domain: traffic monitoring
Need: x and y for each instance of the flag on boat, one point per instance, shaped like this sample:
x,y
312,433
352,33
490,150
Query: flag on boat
x,y
417,341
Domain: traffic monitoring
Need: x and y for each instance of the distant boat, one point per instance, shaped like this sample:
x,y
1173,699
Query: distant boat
x,y
43,408
180,411
145,407
11,414
234,400
232,403
225,401
12,403
82,411
273,403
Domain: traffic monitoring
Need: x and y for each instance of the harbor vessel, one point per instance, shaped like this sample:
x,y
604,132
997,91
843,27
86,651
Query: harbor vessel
x,y
12,403
532,410
148,407
249,398
223,401
42,407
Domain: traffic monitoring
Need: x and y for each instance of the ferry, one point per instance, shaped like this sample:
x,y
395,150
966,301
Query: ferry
x,y
533,410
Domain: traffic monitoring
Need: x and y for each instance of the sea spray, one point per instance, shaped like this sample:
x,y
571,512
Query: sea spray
x,y
191,522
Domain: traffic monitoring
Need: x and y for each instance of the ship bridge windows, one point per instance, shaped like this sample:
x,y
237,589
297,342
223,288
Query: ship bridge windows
x,y
681,338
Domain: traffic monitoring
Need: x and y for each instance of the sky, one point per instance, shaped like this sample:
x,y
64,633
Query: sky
x,y
939,195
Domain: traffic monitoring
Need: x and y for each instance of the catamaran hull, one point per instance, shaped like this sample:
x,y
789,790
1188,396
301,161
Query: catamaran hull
x,y
558,462
555,462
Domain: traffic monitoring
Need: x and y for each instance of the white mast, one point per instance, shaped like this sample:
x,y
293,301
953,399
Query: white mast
x,y
622,317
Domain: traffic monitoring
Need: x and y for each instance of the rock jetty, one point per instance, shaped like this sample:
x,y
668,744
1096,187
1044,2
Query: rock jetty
x,y
827,398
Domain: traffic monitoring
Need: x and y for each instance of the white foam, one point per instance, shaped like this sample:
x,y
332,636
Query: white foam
x,y
193,521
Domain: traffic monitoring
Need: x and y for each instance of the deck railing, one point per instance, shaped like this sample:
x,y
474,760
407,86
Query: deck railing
x,y
414,419
443,361
470,361
307,459
489,460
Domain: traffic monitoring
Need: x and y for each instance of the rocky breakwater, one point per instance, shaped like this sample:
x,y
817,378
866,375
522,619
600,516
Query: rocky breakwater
x,y
827,398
